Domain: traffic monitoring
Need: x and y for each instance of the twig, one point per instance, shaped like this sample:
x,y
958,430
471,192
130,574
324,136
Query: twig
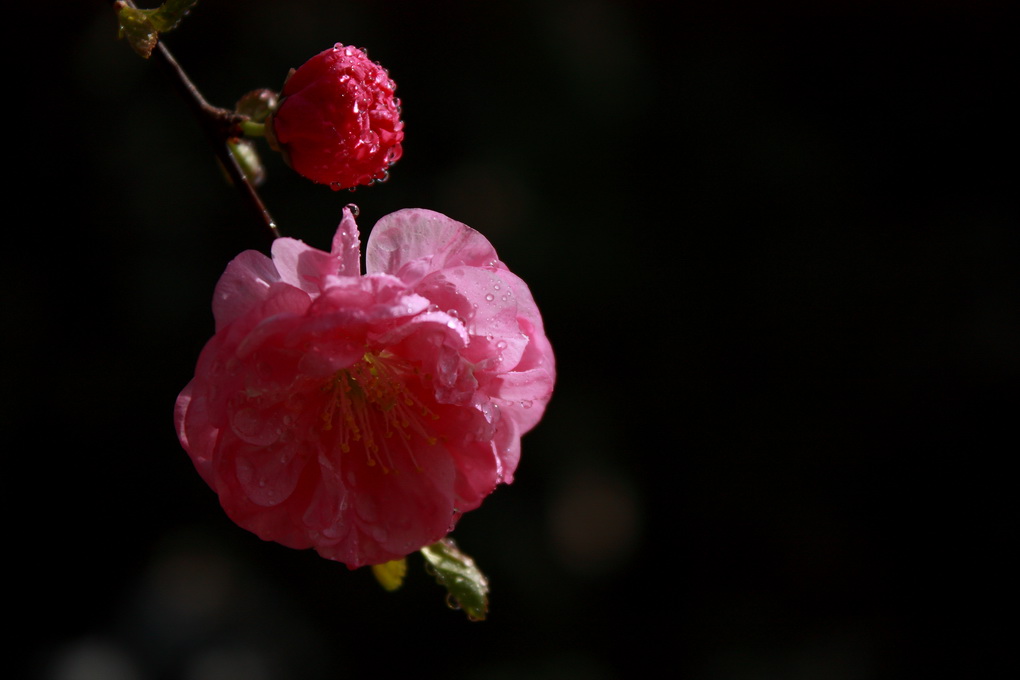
x,y
219,125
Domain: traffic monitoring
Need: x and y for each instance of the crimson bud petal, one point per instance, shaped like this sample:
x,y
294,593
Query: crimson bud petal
x,y
338,121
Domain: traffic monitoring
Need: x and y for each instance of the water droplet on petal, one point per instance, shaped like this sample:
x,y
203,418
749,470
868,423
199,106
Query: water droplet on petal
x,y
489,297
452,602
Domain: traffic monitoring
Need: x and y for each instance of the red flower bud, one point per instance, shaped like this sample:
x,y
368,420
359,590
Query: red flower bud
x,y
338,122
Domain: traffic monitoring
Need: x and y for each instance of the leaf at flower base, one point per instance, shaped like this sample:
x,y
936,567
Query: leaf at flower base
x,y
141,27
466,586
390,575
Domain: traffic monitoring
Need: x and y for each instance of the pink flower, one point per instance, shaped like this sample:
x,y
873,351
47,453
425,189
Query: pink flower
x,y
360,415
338,121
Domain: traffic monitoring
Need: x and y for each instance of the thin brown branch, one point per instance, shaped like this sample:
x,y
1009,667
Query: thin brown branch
x,y
220,125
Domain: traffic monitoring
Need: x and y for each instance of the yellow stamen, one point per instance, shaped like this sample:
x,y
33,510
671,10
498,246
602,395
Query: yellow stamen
x,y
370,403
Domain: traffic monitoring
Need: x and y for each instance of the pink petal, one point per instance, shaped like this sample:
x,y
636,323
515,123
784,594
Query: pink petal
x,y
414,242
347,246
301,265
243,285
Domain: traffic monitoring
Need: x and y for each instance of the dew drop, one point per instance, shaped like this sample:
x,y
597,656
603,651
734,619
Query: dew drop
x,y
527,403
355,210
452,602
501,344
495,287
489,297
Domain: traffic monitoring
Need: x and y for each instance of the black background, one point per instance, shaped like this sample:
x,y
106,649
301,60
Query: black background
x,y
776,255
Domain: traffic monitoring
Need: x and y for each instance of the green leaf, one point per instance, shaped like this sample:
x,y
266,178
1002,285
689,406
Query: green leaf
x,y
169,15
141,27
137,29
466,586
247,157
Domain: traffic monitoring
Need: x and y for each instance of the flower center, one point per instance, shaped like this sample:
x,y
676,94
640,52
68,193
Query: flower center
x,y
371,404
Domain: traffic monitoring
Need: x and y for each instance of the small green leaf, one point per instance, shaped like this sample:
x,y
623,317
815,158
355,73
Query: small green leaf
x,y
247,157
137,29
141,27
466,586
169,14
391,574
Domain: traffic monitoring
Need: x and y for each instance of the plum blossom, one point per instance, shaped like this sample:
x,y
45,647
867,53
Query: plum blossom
x,y
362,414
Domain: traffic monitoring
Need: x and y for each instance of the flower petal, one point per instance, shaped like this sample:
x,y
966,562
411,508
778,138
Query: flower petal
x,y
301,265
243,285
347,246
411,243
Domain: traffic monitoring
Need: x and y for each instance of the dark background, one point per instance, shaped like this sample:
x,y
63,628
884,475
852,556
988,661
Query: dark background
x,y
776,254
